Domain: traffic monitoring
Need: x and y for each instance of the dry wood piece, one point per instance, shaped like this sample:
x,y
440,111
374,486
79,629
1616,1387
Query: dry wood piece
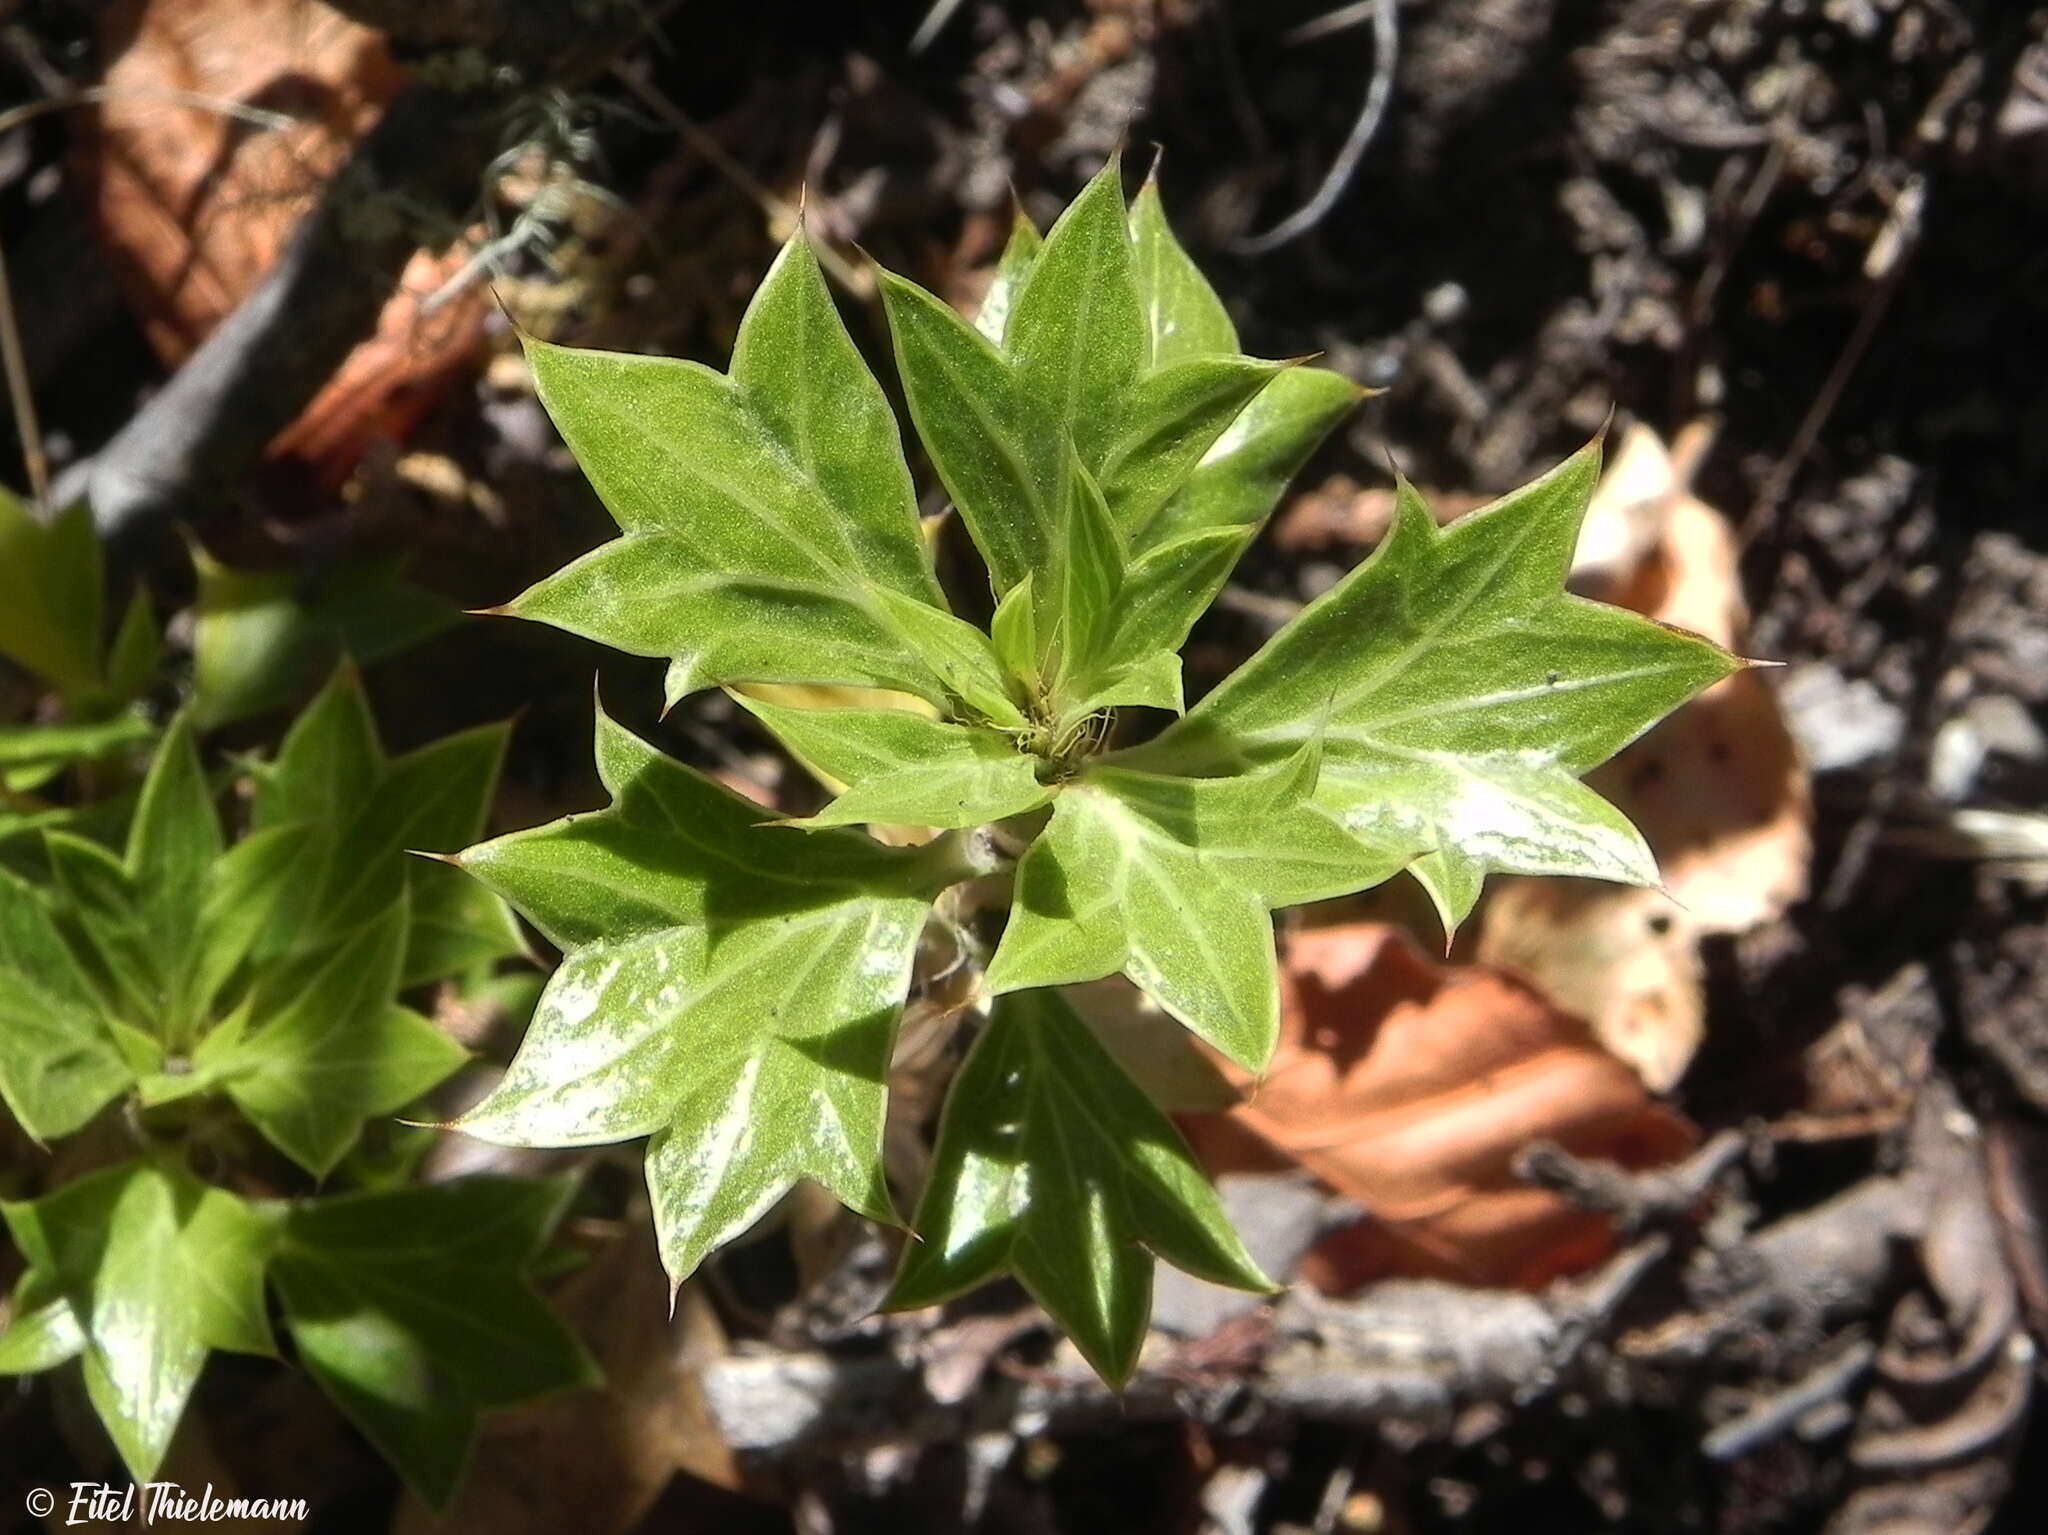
x,y
407,185
1417,1350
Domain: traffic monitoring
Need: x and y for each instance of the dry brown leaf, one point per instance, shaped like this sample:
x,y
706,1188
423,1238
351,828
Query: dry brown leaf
x,y
1340,512
1410,1086
606,1452
195,205
1717,789
1627,961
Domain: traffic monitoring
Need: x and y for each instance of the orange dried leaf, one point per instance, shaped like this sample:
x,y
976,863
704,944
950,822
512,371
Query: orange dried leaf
x,y
196,205
1410,1086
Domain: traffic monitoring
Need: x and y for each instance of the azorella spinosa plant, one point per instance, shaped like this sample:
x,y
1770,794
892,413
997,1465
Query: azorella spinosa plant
x,y
732,983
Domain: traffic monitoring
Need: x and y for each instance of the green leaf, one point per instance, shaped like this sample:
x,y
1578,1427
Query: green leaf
x,y
1151,682
962,658
158,1269
101,913
58,1064
1462,693
904,769
1019,251
731,988
1240,478
266,638
1172,420
1091,572
326,1048
42,1332
413,1309
456,924
433,801
173,840
1052,1164
1170,586
1172,881
1068,447
329,762
990,445
137,649
361,815
138,919
36,746
762,510
1014,632
1183,316
1076,336
243,890
51,600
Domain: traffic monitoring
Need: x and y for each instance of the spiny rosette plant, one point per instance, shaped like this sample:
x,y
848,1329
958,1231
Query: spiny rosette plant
x,y
731,982
184,1005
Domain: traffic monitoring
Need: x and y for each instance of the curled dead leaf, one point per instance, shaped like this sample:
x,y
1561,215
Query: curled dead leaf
x,y
1627,961
196,203
1410,1086
1717,789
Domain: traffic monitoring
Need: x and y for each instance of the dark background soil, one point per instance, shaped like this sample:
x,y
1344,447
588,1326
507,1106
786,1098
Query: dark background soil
x,y
1660,208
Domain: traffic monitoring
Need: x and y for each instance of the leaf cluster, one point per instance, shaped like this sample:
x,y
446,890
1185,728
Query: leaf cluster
x,y
261,640
731,984
226,997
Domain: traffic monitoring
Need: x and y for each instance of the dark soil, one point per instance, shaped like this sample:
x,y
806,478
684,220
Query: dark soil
x,y
1823,222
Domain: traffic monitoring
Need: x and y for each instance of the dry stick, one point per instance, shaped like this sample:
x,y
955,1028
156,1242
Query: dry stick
x,y
777,209
1385,36
263,363
1700,308
1886,260
933,24
1771,1417
94,95
254,375
19,395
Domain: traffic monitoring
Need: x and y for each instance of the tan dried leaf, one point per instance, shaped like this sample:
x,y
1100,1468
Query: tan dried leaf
x,y
1410,1086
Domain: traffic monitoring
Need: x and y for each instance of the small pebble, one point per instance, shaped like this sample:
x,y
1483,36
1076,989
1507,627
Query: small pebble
x,y
1837,722
1445,303
1990,723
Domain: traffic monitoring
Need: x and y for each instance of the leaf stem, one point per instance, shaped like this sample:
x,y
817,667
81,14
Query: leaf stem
x,y
955,857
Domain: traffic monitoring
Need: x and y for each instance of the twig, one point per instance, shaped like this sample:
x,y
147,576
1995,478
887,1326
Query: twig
x,y
262,364
1273,613
933,24
1634,1200
1330,23
1886,261
778,210
94,95
19,395
1769,1418
1385,37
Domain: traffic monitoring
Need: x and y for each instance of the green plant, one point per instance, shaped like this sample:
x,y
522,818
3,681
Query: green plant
x,y
731,984
261,640
52,617
185,1003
